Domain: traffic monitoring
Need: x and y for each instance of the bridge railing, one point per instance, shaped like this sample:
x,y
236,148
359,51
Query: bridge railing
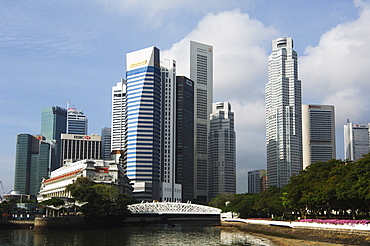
x,y
171,208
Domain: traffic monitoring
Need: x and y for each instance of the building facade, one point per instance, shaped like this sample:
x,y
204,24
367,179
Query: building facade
x,y
201,73
257,181
98,171
106,143
53,124
76,122
143,105
222,151
356,140
77,147
118,134
318,133
169,190
34,156
184,171
283,114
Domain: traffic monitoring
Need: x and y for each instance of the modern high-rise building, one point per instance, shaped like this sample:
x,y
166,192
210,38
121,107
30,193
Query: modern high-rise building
x,y
169,190
76,122
201,72
318,133
356,140
257,181
76,147
222,157
143,107
106,143
283,114
53,124
118,135
33,162
184,171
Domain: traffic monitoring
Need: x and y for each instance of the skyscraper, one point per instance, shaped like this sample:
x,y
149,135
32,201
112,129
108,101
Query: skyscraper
x,y
184,173
283,114
118,135
318,133
53,124
222,157
33,162
356,140
143,122
169,190
257,181
201,72
106,143
76,122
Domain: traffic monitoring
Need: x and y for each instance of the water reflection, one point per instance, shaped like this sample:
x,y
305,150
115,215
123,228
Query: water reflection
x,y
180,234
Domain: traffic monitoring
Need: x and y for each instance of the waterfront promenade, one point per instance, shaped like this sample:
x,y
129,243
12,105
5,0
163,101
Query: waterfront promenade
x,y
284,233
305,225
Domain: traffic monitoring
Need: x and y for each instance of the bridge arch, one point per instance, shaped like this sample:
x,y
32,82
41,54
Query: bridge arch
x,y
172,208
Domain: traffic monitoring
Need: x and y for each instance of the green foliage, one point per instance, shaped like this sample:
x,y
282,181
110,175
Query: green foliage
x,y
53,201
330,186
251,205
318,190
103,200
6,207
222,201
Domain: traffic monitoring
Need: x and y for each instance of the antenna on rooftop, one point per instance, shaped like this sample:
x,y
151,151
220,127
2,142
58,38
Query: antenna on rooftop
x,y
67,104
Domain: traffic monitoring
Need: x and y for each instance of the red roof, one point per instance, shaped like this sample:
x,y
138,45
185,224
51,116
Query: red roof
x,y
62,176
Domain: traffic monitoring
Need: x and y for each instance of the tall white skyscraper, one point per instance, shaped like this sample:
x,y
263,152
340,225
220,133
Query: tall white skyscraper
x,y
201,72
318,133
143,104
169,191
118,128
76,122
356,140
283,114
222,151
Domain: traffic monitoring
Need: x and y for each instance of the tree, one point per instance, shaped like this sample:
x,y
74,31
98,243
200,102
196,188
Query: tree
x,y
222,201
270,202
53,201
103,200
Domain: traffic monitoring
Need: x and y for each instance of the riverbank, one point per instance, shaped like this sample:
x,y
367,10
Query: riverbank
x,y
286,236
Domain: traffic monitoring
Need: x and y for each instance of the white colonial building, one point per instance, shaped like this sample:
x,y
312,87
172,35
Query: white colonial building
x,y
99,171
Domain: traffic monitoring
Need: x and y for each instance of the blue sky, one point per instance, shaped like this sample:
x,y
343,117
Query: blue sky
x,y
53,51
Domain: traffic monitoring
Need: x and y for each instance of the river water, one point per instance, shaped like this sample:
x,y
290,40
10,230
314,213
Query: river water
x,y
160,234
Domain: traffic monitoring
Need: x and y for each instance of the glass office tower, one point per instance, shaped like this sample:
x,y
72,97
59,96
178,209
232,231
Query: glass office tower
x,y
184,173
143,122
33,160
283,114
53,124
318,133
201,72
222,151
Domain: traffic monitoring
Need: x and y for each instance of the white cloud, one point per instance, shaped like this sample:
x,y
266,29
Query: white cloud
x,y
337,71
240,75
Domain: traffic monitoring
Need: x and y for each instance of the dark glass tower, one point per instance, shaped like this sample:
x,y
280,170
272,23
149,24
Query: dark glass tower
x,y
53,124
184,173
33,159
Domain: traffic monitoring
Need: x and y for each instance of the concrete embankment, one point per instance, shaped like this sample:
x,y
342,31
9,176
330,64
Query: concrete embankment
x,y
13,224
77,221
312,234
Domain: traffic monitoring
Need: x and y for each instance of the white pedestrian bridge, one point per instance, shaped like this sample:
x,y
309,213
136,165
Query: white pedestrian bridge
x,y
172,208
